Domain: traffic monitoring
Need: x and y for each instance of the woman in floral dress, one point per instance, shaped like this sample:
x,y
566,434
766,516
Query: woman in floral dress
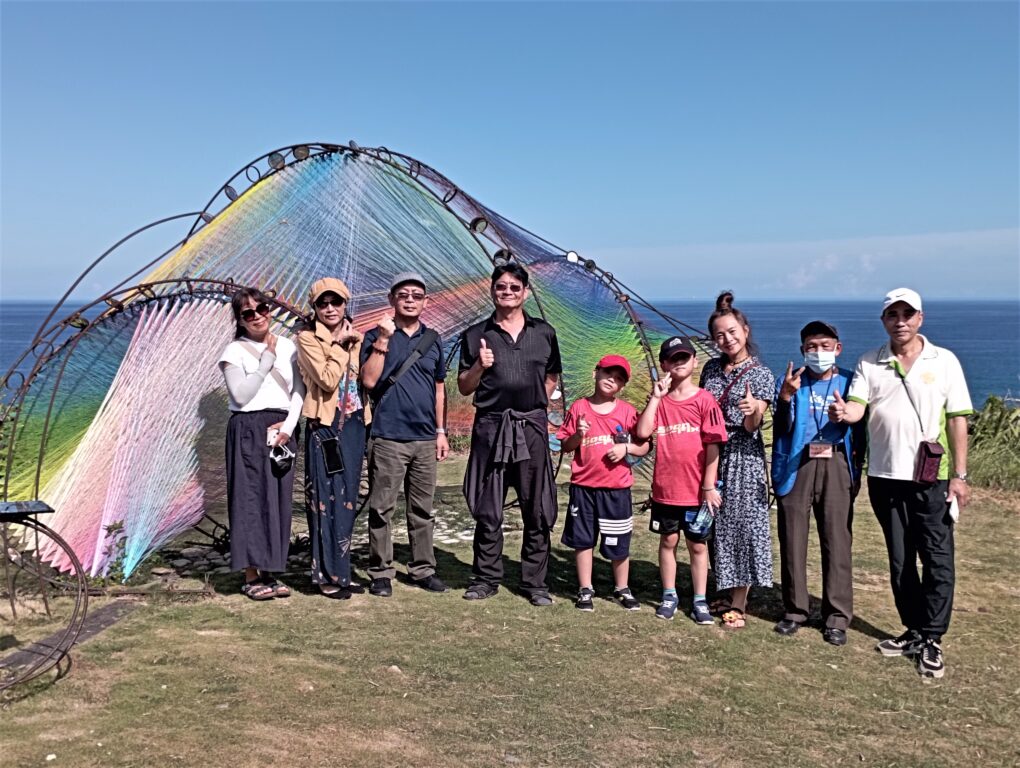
x,y
744,387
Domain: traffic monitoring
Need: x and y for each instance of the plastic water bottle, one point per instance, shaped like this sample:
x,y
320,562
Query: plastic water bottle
x,y
624,438
705,517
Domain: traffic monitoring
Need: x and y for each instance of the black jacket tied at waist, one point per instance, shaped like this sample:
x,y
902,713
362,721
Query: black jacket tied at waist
x,y
510,448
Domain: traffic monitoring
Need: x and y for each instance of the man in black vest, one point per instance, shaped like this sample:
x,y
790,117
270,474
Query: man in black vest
x,y
511,364
402,368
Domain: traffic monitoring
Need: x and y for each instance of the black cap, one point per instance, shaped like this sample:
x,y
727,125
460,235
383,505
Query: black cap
x,y
818,328
674,345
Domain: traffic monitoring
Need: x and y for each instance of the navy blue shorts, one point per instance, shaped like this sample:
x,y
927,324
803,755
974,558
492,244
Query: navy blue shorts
x,y
668,518
594,511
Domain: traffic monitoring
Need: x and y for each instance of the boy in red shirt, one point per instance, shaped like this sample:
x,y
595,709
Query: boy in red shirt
x,y
688,428
598,429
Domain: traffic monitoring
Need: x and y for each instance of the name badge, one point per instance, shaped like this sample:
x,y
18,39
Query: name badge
x,y
820,450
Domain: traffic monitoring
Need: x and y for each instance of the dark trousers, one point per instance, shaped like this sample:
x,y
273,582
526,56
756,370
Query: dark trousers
x,y
392,465
822,487
916,523
532,481
332,499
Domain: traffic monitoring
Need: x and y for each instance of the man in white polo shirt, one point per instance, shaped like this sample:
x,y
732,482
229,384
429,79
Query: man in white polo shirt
x,y
914,392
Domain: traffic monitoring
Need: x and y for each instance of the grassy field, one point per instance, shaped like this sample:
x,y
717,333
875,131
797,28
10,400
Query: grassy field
x,y
423,680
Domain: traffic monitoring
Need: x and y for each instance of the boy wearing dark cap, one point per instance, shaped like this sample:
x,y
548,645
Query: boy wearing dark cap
x,y
815,468
598,430
688,428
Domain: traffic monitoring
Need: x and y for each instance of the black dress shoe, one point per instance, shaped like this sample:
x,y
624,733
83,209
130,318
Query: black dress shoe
x,y
787,628
834,636
431,583
380,588
480,590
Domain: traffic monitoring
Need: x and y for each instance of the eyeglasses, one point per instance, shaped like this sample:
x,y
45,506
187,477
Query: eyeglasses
x,y
894,314
404,296
334,302
260,309
507,288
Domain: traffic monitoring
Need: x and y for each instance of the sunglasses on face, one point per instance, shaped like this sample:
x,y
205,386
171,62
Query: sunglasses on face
x,y
336,301
507,288
404,296
260,309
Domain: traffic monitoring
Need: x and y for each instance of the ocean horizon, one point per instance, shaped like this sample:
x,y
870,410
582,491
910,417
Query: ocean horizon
x,y
984,334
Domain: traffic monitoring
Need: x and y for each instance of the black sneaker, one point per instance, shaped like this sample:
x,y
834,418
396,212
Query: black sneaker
x,y
380,588
907,644
929,661
584,601
626,599
431,583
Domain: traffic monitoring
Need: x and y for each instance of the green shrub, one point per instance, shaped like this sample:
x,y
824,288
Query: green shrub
x,y
994,455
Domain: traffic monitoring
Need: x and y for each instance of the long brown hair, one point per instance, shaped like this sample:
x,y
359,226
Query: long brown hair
x,y
724,306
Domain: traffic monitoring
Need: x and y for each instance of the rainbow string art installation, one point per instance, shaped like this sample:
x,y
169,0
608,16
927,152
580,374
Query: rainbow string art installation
x,y
116,414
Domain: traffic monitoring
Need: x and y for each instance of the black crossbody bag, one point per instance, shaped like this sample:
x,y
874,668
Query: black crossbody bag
x,y
428,338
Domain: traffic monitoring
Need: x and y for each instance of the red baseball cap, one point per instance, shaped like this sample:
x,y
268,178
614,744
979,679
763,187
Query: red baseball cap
x,y
615,361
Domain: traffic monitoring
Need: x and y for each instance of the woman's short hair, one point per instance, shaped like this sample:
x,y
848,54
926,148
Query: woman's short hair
x,y
237,304
723,307
513,269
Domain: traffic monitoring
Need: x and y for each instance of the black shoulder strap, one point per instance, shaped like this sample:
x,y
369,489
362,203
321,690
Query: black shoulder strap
x,y
428,338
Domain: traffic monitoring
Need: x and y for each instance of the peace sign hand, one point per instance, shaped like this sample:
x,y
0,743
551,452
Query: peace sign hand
x,y
791,383
747,404
661,388
582,426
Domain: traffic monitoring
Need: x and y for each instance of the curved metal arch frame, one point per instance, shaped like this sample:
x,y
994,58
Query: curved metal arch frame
x,y
63,643
132,298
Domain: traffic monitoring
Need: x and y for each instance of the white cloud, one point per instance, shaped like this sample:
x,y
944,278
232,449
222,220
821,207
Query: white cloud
x,y
983,263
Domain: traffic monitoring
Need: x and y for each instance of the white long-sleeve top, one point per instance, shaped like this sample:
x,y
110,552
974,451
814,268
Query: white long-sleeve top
x,y
250,387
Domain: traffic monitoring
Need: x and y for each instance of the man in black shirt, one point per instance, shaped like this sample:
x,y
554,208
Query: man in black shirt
x,y
511,363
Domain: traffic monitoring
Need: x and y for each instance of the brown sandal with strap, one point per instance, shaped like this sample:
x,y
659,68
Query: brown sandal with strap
x,y
733,619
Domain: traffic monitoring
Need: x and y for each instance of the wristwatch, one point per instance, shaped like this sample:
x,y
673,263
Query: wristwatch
x,y
960,476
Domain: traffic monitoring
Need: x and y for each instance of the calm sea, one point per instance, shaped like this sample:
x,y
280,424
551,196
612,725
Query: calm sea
x,y
985,336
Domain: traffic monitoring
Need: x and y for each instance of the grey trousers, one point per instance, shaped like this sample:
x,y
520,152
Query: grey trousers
x,y
822,487
393,466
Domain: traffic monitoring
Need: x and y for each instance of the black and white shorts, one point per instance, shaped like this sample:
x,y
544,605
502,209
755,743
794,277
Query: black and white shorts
x,y
595,511
669,518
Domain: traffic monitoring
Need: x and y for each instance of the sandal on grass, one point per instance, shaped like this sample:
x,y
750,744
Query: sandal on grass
x,y
257,590
279,588
733,619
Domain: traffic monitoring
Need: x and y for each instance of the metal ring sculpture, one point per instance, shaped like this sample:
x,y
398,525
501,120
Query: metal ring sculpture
x,y
281,221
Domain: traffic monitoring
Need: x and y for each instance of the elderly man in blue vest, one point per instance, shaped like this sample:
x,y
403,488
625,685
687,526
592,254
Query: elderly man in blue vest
x,y
816,467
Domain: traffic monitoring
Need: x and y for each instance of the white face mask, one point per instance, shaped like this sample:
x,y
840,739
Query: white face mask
x,y
820,361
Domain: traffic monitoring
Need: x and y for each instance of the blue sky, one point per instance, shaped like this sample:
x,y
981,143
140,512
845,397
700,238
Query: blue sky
x,y
808,150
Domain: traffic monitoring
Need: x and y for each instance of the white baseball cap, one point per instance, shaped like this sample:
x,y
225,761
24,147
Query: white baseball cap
x,y
906,295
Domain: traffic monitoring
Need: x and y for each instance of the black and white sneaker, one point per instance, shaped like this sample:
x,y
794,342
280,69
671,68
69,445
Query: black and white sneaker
x,y
584,600
929,660
626,599
907,644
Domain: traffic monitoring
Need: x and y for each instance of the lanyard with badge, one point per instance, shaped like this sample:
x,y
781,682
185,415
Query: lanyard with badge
x,y
819,448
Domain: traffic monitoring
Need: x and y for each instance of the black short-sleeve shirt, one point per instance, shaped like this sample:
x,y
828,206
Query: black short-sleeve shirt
x,y
408,411
517,377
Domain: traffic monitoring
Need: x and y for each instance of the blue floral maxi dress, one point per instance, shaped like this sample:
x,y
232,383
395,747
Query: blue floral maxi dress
x,y
743,543
332,500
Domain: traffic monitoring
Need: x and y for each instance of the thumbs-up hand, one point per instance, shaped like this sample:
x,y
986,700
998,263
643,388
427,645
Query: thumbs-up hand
x,y
837,409
747,404
791,383
387,327
582,425
485,356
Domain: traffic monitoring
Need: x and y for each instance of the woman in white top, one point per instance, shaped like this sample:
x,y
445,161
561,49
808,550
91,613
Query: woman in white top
x,y
266,393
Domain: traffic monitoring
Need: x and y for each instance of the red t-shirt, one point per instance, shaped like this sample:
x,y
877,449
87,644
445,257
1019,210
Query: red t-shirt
x,y
682,429
590,466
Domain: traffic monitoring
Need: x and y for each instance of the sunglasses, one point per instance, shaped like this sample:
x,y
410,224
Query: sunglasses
x,y
403,296
335,302
507,288
260,309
